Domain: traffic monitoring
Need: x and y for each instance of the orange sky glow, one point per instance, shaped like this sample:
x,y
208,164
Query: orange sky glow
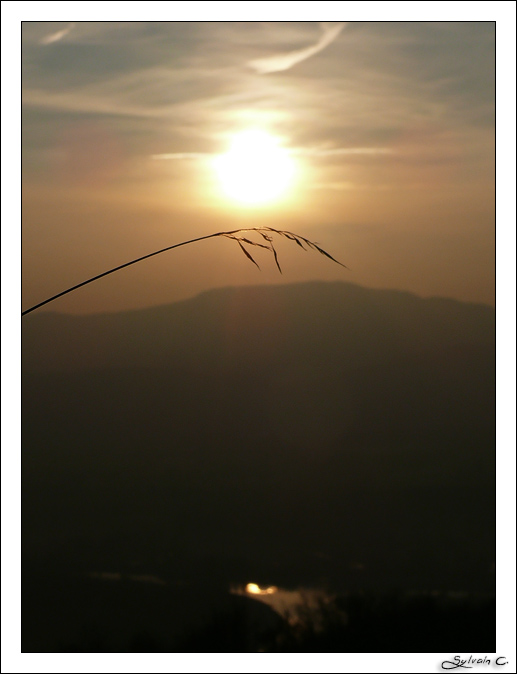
x,y
375,139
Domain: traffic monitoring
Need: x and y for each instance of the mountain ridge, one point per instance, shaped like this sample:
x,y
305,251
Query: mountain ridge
x,y
290,433
224,316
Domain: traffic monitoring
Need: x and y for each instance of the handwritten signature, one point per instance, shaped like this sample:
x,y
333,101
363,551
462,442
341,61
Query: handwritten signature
x,y
471,662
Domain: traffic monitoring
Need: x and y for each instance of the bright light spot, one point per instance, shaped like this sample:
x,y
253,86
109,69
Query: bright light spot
x,y
256,169
252,588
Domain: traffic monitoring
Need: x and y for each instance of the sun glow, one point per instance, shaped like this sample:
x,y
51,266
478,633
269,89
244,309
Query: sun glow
x,y
256,169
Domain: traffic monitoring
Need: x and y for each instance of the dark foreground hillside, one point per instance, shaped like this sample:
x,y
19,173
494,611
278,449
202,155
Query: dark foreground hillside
x,y
312,435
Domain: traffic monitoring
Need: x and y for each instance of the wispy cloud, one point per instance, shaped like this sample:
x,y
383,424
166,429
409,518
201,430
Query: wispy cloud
x,y
181,155
298,151
55,37
278,62
338,151
361,106
333,186
340,186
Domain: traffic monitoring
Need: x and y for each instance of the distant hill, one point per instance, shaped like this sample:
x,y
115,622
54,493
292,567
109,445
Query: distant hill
x,y
299,434
235,326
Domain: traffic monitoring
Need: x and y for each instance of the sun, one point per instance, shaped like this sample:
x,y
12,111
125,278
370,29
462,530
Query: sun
x,y
256,169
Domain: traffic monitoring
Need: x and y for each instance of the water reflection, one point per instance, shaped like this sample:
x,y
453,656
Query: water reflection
x,y
295,606
253,588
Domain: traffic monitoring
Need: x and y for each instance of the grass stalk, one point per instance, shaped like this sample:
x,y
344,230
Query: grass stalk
x,y
236,235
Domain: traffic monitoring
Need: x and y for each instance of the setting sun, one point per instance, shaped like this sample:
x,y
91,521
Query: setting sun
x,y
256,169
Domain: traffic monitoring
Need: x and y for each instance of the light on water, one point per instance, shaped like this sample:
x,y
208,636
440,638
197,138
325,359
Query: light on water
x,y
292,605
252,588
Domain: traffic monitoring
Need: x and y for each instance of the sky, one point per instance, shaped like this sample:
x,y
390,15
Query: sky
x,y
388,127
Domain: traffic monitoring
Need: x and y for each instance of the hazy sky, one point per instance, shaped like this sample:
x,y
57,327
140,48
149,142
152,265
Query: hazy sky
x,y
390,126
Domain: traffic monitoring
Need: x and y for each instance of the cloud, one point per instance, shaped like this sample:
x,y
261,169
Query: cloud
x,y
298,151
55,37
181,155
278,62
333,186
340,186
337,151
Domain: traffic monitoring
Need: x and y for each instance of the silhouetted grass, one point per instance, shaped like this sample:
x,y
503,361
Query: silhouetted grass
x,y
265,232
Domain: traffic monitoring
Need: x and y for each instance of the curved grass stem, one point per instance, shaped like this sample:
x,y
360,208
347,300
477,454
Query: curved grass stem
x,y
234,234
